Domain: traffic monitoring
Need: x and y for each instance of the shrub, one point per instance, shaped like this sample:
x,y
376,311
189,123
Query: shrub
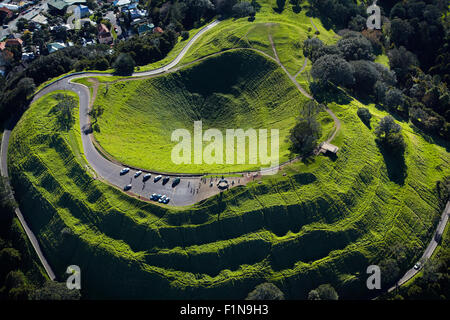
x,y
266,291
185,35
365,115
124,65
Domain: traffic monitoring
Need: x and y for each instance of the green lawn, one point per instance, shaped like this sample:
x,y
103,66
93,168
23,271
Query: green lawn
x,y
239,89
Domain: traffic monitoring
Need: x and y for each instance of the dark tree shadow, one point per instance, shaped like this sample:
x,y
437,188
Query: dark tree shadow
x,y
395,164
332,156
304,178
325,93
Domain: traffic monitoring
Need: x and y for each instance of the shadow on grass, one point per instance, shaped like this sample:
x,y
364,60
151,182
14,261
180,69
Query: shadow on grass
x,y
325,94
395,164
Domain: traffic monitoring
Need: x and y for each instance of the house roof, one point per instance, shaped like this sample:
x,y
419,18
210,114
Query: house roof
x,y
61,4
13,42
55,46
2,45
158,29
102,28
325,146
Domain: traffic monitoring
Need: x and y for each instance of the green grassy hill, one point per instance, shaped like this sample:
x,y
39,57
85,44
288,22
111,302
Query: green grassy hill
x,y
324,222
239,89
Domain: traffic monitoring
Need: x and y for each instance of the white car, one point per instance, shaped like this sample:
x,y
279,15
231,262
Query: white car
x,y
137,174
125,171
157,178
417,266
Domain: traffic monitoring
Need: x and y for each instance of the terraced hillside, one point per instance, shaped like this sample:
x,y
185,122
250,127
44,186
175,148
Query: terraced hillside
x,y
234,90
324,222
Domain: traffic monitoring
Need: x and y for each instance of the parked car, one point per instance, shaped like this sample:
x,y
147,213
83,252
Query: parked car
x,y
127,187
157,178
154,197
162,199
137,174
176,182
165,180
124,171
147,176
166,200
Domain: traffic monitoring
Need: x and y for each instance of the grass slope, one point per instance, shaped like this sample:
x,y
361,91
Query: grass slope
x,y
239,89
324,222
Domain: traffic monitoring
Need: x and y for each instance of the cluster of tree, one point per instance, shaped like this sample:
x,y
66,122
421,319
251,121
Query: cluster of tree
x,y
148,48
415,39
434,282
19,86
307,131
337,13
187,14
349,64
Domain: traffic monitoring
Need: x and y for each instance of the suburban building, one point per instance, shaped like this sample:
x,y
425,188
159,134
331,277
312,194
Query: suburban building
x,y
7,12
104,35
60,6
84,11
146,28
55,46
158,30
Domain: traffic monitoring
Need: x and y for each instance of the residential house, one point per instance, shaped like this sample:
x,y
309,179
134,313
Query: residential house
x,y
104,35
145,28
55,46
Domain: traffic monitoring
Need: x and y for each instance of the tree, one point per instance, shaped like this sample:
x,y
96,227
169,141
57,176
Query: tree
x,y
401,61
389,136
334,69
394,98
358,23
124,65
323,292
185,35
310,46
366,75
64,110
280,5
356,48
365,115
386,127
389,272
266,291
380,89
401,32
307,131
243,9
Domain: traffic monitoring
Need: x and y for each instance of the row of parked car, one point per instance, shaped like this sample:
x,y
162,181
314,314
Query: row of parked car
x,y
147,177
160,198
154,197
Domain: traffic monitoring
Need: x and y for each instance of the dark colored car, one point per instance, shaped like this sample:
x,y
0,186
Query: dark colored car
x,y
176,182
165,180
127,187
